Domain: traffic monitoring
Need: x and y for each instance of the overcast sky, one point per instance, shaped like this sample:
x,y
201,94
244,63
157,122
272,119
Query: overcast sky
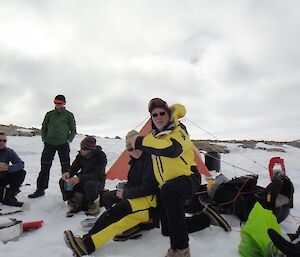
x,y
235,65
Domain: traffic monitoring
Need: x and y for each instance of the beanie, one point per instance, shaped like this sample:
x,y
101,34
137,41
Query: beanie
x,y
60,99
89,143
158,103
130,134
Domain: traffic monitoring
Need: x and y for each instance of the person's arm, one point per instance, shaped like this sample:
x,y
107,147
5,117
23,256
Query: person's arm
x,y
76,166
16,162
72,127
98,170
44,129
169,147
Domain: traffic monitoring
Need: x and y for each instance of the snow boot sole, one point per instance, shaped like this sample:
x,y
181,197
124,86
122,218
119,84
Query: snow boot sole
x,y
72,244
132,233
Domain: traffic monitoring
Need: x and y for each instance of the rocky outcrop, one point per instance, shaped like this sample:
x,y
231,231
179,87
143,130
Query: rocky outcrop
x,y
12,130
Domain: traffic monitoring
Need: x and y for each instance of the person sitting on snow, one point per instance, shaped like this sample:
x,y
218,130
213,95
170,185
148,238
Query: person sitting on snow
x,y
12,173
135,205
84,182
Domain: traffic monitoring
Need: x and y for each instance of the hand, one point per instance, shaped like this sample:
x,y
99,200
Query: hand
x,y
132,141
73,181
3,166
65,176
119,193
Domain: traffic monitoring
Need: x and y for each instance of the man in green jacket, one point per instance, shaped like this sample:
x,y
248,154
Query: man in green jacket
x,y
58,130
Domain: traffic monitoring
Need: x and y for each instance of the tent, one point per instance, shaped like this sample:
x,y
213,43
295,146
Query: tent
x,y
120,168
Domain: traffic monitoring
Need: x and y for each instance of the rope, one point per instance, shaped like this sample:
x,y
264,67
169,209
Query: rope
x,y
247,157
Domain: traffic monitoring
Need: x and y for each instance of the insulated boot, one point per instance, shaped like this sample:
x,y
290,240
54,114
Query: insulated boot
x,y
94,207
37,193
132,233
8,198
178,252
74,206
215,218
75,243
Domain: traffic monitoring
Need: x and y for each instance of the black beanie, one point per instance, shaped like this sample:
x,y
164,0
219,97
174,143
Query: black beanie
x,y
60,99
158,103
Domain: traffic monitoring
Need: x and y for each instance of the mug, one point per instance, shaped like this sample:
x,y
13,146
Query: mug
x,y
67,186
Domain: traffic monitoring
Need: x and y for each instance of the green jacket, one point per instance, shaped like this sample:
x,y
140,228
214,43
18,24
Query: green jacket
x,y
58,127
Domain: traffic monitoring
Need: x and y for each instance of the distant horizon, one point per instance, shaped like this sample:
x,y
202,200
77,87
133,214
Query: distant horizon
x,y
195,139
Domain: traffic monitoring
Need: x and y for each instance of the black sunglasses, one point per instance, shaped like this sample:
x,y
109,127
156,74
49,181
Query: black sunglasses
x,y
154,115
3,140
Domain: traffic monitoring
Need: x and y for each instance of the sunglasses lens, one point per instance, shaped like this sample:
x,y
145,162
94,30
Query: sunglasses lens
x,y
162,113
154,115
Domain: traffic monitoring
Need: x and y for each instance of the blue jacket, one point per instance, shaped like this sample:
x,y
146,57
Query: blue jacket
x,y
10,157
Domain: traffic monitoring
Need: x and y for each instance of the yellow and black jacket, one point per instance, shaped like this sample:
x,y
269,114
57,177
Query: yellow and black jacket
x,y
171,149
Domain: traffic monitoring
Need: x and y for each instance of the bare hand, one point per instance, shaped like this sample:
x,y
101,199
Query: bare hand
x,y
65,176
132,141
3,166
119,193
73,181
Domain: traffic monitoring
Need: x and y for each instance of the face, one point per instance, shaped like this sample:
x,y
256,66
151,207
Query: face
x,y
136,153
84,152
3,140
160,118
59,106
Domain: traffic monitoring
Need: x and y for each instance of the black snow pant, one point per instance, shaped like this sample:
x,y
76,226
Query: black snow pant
x,y
46,162
173,195
14,180
89,189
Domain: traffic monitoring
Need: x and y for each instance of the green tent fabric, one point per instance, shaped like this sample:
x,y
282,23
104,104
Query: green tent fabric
x,y
255,241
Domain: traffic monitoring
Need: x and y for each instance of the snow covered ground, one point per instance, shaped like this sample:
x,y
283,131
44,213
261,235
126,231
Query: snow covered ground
x,y
213,241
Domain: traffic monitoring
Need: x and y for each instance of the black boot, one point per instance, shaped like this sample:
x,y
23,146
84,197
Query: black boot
x,y
8,198
37,193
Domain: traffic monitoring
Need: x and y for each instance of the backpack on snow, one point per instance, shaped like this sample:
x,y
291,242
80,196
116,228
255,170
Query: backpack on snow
x,y
238,196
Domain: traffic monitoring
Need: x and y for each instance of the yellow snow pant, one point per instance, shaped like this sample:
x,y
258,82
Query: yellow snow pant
x,y
121,217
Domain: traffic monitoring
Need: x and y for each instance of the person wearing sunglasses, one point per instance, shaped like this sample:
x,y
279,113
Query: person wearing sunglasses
x,y
58,131
12,173
174,168
134,203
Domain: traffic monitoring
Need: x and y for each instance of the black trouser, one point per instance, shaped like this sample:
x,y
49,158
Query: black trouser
x,y
89,188
109,199
46,162
173,195
14,180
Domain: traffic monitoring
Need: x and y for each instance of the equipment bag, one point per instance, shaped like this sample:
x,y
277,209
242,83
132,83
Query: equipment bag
x,y
238,196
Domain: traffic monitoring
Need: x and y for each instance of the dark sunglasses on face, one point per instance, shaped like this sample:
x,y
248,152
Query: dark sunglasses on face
x,y
3,140
154,115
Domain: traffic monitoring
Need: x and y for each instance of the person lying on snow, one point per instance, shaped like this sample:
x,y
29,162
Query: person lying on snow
x,y
84,182
134,206
12,173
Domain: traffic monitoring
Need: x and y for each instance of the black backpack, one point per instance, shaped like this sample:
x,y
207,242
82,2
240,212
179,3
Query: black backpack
x,y
278,196
238,196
